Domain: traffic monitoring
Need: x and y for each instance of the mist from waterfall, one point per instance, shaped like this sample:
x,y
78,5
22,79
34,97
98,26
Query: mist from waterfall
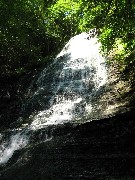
x,y
64,90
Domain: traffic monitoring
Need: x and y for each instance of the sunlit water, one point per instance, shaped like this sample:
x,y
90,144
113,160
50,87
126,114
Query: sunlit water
x,y
80,74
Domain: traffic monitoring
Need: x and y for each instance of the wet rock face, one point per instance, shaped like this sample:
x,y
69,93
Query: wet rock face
x,y
95,150
12,94
101,149
9,101
92,33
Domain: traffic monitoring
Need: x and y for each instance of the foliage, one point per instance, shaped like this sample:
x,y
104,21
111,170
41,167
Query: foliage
x,y
24,40
31,30
119,24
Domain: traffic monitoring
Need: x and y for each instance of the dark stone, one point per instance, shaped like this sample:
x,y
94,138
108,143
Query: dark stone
x,y
100,150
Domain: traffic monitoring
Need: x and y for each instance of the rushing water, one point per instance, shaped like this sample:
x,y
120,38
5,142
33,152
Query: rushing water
x,y
64,90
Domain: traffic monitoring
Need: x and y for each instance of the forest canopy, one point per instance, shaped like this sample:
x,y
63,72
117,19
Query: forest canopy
x,y
33,30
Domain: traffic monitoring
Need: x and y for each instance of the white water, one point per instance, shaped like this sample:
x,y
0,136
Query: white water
x,y
16,142
82,74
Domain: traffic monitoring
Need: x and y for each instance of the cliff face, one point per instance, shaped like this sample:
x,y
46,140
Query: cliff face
x,y
115,97
118,92
12,95
99,149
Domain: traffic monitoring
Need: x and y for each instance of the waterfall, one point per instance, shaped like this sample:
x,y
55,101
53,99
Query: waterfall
x,y
7,149
64,90
78,74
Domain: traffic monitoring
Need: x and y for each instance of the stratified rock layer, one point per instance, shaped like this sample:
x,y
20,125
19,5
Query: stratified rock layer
x,y
95,150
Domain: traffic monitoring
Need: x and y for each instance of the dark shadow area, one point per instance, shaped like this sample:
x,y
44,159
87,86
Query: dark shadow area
x,y
12,95
101,149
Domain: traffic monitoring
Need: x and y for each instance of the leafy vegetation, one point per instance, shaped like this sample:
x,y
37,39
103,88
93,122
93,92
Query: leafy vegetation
x,y
24,39
32,30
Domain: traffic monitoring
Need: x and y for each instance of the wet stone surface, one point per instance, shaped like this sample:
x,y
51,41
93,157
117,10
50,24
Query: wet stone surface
x,y
99,150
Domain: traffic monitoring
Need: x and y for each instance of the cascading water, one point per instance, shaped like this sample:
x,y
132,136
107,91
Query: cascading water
x,y
7,149
64,90
80,75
